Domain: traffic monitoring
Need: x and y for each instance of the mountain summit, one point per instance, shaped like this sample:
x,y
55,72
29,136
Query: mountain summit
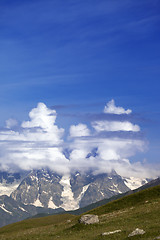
x,y
45,188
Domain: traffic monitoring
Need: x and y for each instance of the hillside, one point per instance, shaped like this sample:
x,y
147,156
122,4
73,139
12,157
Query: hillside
x,y
138,210
150,184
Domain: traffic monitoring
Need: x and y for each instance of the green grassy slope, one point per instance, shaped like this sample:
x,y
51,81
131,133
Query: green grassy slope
x,y
139,210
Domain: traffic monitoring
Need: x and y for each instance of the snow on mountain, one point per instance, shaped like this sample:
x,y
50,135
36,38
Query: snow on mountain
x,y
10,181
40,188
51,204
2,206
133,183
7,189
69,202
67,196
45,188
37,203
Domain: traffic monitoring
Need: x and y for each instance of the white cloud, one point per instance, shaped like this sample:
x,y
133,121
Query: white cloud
x,y
115,126
35,158
110,154
111,108
79,130
39,143
41,116
11,123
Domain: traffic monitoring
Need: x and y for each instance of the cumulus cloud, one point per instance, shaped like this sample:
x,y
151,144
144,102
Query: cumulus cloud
x,y
38,143
42,126
79,130
111,108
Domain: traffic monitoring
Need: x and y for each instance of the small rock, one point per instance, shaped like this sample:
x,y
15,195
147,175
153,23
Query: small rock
x,y
68,221
89,219
108,233
157,238
137,231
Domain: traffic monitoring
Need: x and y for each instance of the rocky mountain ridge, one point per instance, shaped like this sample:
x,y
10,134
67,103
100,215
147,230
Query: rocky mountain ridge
x,y
45,188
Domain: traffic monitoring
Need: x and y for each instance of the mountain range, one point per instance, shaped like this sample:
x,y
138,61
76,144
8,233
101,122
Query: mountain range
x,y
136,211
27,193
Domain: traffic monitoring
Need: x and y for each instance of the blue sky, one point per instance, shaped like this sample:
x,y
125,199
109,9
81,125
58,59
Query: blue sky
x,y
78,55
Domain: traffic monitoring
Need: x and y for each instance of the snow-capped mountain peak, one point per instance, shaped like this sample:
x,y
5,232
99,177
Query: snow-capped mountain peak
x,y
45,188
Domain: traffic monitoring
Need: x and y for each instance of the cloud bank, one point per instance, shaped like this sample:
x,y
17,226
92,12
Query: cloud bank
x,y
114,126
79,130
39,143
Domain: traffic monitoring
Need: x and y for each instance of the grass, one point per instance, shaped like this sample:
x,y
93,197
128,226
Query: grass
x,y
140,210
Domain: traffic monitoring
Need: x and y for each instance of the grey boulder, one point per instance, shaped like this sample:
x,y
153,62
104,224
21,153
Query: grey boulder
x,y
89,219
137,231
